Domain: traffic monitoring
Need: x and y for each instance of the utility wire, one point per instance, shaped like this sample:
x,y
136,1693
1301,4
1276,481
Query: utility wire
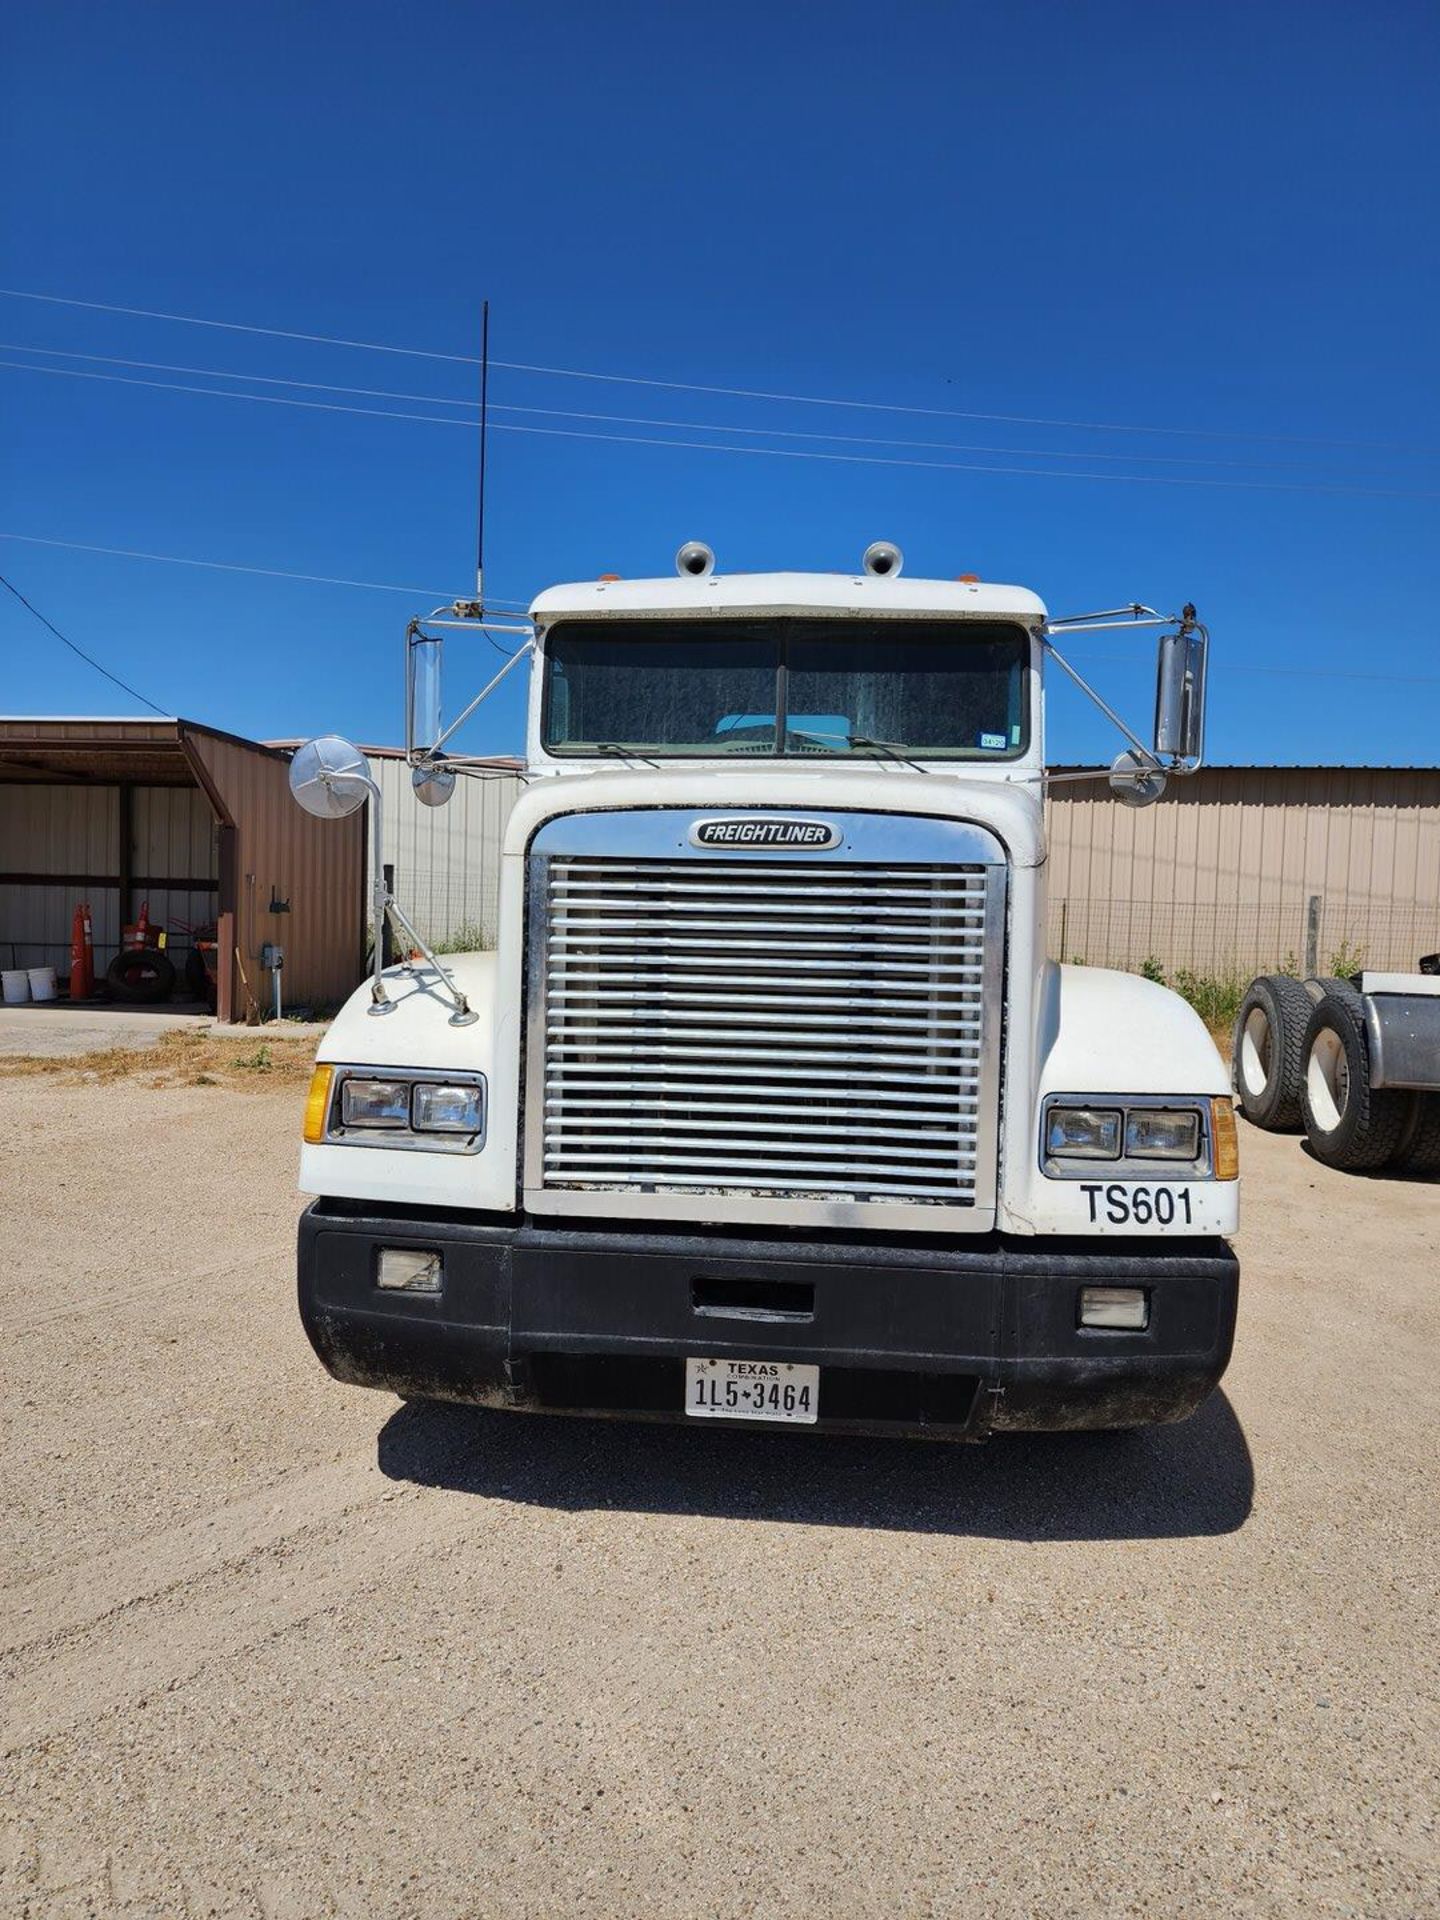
x,y
774,453
736,393
223,566
230,566
89,659
645,420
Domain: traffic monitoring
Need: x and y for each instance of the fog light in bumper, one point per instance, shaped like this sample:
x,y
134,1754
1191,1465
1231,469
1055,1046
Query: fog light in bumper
x,y
1120,1309
408,1269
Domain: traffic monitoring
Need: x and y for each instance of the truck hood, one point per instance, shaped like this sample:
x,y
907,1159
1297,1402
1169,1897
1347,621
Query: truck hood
x,y
1012,812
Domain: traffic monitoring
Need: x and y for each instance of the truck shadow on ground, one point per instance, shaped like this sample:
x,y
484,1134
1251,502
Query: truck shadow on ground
x,y
1196,1478
1404,1176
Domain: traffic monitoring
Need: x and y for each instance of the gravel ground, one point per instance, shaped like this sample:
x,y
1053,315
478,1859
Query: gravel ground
x,y
276,1647
57,1031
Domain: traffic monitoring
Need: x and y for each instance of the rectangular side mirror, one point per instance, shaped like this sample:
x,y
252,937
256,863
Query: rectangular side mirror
x,y
422,692
1180,696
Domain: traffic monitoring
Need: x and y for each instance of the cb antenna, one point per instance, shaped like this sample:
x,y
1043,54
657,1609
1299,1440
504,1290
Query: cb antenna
x,y
484,440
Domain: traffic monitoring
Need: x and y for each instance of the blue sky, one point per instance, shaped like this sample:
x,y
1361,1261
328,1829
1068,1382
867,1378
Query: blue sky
x,y
1216,219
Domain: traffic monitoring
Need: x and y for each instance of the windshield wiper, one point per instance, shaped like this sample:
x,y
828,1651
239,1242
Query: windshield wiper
x,y
889,748
627,754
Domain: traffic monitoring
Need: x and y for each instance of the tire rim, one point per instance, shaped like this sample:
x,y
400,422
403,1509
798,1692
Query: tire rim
x,y
1255,1053
1327,1080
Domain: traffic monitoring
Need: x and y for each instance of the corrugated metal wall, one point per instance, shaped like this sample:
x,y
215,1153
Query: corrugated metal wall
x,y
447,859
1217,876
66,834
283,853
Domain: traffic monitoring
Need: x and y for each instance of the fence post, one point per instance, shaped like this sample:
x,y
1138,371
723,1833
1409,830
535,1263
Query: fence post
x,y
1312,936
387,938
1064,925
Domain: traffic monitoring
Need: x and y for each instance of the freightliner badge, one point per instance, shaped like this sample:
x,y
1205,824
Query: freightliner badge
x,y
766,832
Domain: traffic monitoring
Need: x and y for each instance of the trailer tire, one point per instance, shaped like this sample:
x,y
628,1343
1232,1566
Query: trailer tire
x,y
1419,1148
141,976
1324,983
1350,1123
1266,1057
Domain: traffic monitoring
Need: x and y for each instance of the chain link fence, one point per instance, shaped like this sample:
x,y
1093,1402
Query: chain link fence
x,y
1305,935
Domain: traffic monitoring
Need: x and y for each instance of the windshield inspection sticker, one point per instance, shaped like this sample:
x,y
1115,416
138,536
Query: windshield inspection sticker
x,y
996,742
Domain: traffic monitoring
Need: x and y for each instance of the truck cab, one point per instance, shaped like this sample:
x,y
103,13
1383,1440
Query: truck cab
x,y
769,1105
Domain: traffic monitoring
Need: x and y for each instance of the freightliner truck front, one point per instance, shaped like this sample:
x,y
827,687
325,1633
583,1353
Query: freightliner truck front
x,y
770,1105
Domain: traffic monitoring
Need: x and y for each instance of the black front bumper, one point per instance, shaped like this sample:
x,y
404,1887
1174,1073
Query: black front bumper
x,y
954,1340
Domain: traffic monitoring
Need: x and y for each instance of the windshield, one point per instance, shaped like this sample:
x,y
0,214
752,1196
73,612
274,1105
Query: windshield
x,y
939,689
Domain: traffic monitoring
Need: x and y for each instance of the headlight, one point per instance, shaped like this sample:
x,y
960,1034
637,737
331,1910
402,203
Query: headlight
x,y
1138,1136
1083,1133
441,1107
375,1103
406,1108
1162,1133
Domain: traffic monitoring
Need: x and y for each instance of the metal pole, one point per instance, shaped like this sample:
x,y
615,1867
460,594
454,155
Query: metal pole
x,y
379,898
514,660
1312,937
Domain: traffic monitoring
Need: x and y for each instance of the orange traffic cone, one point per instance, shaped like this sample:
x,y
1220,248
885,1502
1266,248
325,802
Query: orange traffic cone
x,y
82,954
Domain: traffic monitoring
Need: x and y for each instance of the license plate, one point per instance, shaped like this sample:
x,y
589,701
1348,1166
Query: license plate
x,y
752,1390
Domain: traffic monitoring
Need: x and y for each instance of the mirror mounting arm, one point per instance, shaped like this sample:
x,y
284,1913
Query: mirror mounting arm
x,y
1109,712
383,904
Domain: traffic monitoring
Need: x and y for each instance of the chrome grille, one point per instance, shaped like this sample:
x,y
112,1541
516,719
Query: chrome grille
x,y
768,1027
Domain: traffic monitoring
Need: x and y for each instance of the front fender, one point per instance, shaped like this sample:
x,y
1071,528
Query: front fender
x,y
1105,1032
416,1032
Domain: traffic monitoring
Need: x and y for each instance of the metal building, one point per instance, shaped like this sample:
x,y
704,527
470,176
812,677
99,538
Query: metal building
x,y
198,823
1250,869
1237,869
447,859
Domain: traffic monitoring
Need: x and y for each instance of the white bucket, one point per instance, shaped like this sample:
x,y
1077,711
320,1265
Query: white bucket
x,y
42,983
15,985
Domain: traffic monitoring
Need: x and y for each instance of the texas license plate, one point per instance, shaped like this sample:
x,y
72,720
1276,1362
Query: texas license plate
x,y
752,1390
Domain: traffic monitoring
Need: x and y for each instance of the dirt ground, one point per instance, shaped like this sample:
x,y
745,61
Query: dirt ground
x,y
276,1647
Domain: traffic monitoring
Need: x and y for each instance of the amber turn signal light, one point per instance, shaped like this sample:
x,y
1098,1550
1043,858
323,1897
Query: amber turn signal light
x,y
1226,1143
317,1105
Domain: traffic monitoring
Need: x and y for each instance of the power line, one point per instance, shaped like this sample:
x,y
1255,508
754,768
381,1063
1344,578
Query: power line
x,y
736,393
644,420
225,373
1288,673
89,659
774,453
223,566
230,566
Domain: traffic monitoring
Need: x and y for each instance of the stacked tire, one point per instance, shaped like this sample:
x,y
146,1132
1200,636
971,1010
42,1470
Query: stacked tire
x,y
141,976
1301,1055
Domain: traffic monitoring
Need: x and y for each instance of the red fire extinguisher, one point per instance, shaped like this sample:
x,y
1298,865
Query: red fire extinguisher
x,y
82,954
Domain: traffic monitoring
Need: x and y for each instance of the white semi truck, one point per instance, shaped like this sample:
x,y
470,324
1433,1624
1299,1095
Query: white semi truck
x,y
769,1105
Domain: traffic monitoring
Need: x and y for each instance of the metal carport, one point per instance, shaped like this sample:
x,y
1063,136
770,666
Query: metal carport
x,y
197,821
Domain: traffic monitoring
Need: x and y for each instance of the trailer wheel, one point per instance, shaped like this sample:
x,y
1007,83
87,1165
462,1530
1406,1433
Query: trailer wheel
x,y
1419,1148
1324,983
1350,1123
1266,1060
140,976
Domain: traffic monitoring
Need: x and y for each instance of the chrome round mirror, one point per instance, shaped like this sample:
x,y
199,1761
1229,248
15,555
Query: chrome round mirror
x,y
1135,781
883,558
433,782
326,776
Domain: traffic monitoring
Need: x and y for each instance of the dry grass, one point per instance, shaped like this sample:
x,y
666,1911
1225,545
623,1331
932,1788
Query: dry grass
x,y
185,1059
